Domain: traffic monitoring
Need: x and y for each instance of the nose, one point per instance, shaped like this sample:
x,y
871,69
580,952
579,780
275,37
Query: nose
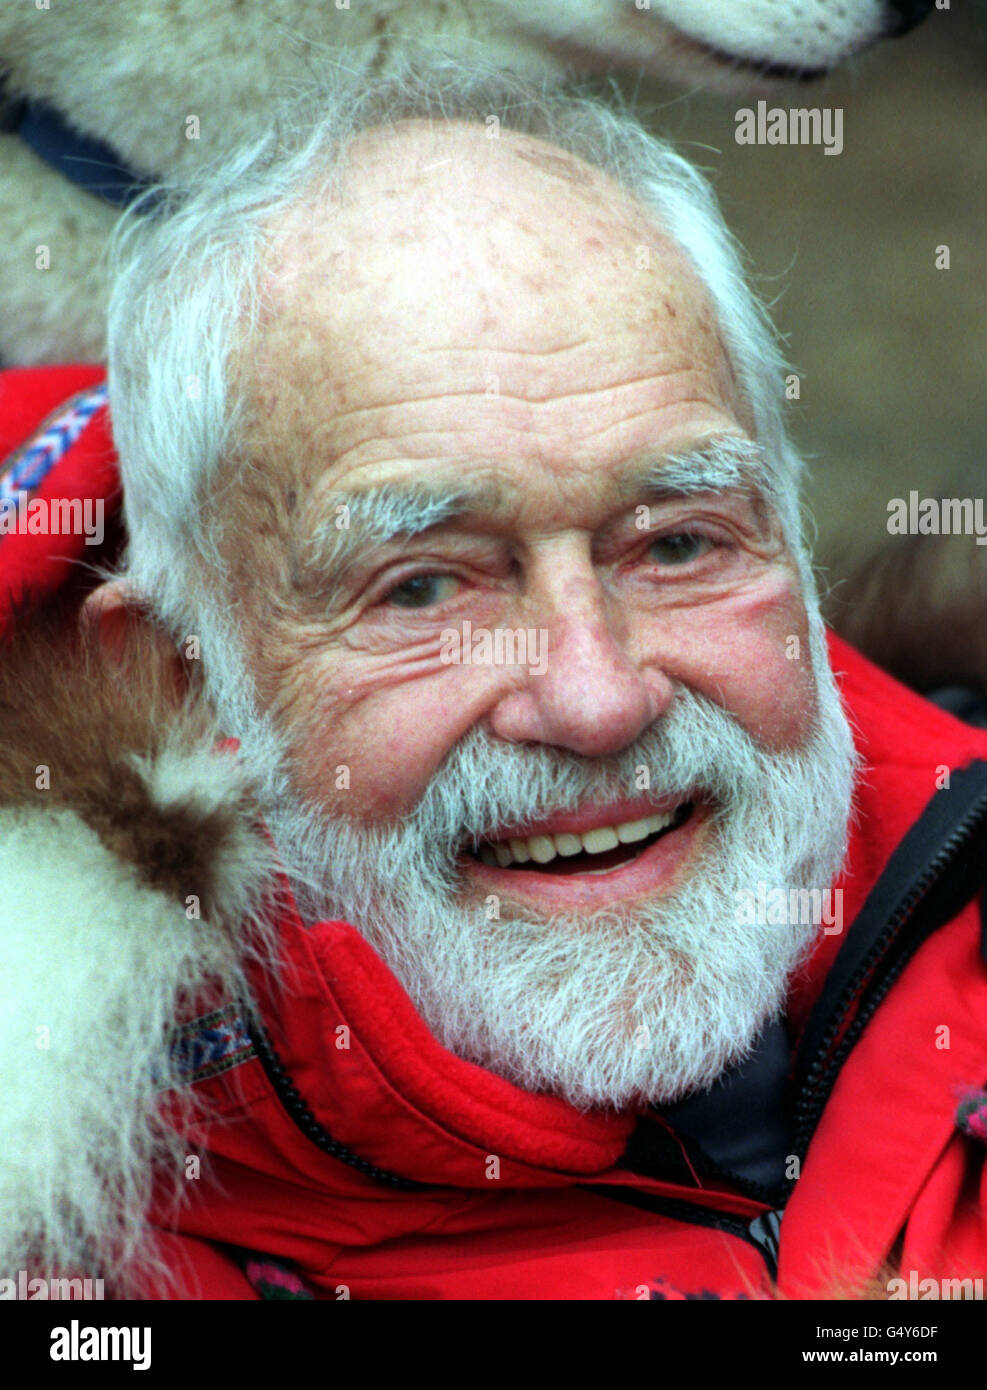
x,y
903,15
592,696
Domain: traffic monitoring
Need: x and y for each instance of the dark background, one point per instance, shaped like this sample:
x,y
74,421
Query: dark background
x,y
891,352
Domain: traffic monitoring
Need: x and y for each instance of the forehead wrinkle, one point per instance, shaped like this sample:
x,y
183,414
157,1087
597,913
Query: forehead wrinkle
x,y
558,165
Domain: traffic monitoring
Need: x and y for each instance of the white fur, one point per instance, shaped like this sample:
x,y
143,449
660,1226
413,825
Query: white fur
x,y
94,968
204,781
100,63
801,33
669,38
54,314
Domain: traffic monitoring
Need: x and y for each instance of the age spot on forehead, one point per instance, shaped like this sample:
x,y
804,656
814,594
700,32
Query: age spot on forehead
x,y
558,165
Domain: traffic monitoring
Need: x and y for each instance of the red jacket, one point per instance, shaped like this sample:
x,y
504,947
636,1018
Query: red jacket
x,y
395,1170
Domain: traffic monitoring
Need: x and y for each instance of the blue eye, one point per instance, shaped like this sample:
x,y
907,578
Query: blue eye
x,y
679,547
422,590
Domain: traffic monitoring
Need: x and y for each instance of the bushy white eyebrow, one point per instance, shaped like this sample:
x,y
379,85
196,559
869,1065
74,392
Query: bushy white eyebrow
x,y
724,465
392,512
387,512
379,516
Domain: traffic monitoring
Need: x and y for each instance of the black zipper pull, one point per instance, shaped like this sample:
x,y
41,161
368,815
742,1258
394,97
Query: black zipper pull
x,y
765,1232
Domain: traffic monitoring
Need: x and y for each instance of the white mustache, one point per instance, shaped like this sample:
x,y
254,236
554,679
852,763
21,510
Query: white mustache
x,y
697,748
484,784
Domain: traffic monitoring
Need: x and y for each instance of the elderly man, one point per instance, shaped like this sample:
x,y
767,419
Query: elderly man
x,y
425,860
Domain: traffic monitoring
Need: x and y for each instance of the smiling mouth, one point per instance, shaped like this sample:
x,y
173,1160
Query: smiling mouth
x,y
591,853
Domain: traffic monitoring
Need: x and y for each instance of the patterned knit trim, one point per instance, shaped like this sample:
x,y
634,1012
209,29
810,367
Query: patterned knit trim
x,y
210,1045
27,467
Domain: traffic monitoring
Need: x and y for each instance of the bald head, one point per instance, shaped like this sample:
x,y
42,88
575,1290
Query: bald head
x,y
459,269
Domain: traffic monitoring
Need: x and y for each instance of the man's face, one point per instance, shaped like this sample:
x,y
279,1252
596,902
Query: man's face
x,y
478,318
487,348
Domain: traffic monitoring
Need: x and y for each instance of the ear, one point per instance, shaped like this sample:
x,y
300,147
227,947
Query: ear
x,y
119,627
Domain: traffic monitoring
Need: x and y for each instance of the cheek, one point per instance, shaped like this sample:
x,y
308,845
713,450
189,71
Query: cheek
x,y
751,655
366,743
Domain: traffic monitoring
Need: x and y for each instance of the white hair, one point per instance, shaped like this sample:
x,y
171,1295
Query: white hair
x,y
189,264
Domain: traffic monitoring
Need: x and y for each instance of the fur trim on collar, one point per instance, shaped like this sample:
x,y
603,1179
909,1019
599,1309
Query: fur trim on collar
x,y
131,874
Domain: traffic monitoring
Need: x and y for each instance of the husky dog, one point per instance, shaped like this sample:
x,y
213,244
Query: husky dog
x,y
97,98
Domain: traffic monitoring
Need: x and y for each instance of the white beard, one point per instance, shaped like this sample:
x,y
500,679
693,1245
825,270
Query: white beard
x,y
610,1009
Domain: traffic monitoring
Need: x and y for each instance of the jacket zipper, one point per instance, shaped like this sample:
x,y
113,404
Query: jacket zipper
x,y
761,1232
824,1069
300,1113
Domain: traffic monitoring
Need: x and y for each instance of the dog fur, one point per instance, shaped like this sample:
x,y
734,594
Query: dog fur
x,y
918,607
116,814
132,75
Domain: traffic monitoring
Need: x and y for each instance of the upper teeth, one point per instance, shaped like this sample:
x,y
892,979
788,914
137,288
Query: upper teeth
x,y
544,848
